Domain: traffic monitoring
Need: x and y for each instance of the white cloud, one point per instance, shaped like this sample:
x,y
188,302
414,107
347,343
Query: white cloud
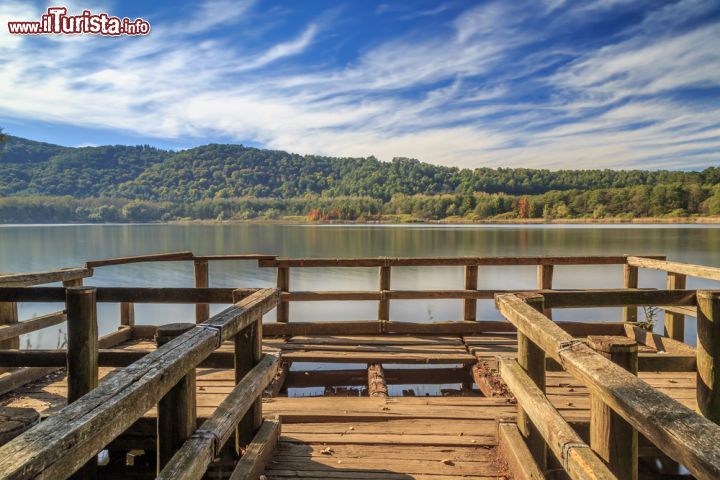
x,y
475,93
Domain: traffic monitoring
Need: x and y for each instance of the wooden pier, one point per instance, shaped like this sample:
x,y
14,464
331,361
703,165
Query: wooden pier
x,y
233,396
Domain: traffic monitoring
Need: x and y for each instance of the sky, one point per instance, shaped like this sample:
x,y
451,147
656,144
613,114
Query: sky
x,y
538,83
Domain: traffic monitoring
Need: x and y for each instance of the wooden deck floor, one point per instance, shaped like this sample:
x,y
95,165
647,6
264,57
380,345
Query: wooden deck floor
x,y
421,437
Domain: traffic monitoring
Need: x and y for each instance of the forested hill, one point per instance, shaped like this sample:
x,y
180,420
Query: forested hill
x,y
41,182
230,171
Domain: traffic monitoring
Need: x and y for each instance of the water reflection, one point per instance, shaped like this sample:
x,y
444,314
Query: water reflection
x,y
33,248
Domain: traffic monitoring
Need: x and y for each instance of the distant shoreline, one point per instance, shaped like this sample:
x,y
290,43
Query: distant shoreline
x,y
528,221
715,220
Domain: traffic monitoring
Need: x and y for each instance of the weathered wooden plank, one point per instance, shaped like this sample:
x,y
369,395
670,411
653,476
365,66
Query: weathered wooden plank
x,y
158,257
9,320
617,298
700,271
360,327
39,278
377,386
38,323
675,322
384,276
258,453
127,294
444,261
64,442
283,284
682,434
708,355
520,460
471,283
200,271
570,450
241,256
192,459
332,378
611,437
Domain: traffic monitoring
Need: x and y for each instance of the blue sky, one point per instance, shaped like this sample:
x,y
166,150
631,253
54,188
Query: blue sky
x,y
541,83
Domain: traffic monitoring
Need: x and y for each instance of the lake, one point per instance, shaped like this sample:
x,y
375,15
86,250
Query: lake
x,y
43,247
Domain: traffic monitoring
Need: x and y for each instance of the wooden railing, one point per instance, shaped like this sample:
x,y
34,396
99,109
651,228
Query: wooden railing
x,y
677,274
622,404
384,294
69,441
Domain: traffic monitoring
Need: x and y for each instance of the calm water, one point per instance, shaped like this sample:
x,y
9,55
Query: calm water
x,y
33,248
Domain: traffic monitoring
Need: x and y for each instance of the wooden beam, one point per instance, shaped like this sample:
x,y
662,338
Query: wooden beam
x,y
243,256
158,257
82,356
471,283
544,282
283,284
13,330
532,359
574,455
384,275
630,280
675,322
259,452
617,298
515,452
176,410
708,354
443,261
127,314
200,269
699,271
9,325
454,327
192,459
39,278
680,433
377,387
611,437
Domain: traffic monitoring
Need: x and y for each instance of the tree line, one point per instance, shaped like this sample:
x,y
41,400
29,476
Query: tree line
x,y
41,182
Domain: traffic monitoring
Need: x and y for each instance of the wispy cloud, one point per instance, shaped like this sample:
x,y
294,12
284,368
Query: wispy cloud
x,y
495,84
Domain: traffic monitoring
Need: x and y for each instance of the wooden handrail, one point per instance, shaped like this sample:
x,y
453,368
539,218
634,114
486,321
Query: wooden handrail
x,y
680,433
572,452
32,325
445,261
40,278
128,294
699,271
156,257
192,459
59,446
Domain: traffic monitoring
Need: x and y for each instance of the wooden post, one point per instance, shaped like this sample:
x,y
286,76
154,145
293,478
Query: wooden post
x,y
283,284
82,353
544,282
630,280
127,314
471,283
611,437
176,412
675,322
532,359
377,386
202,310
708,354
248,353
384,284
9,316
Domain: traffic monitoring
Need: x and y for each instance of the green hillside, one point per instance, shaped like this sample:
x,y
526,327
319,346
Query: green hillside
x,y
45,182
